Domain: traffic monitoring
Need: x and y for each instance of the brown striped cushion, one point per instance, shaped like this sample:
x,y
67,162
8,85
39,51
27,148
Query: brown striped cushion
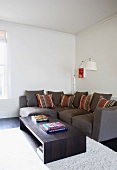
x,y
67,101
103,103
45,101
96,98
85,102
56,97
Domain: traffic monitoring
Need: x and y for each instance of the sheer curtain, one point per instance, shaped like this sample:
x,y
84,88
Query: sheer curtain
x,y
3,64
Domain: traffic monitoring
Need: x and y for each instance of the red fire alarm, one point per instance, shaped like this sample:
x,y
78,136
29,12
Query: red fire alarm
x,y
81,73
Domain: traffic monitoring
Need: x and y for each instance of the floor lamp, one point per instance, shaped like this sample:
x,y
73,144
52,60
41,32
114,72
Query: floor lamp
x,y
90,65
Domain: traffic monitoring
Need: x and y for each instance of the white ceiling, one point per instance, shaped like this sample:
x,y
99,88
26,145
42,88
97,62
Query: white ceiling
x,y
70,16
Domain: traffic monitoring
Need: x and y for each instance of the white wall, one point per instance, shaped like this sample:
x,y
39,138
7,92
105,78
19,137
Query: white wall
x,y
40,59
100,42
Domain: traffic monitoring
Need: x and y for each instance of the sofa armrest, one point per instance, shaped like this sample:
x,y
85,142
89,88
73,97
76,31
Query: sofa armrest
x,y
105,124
22,101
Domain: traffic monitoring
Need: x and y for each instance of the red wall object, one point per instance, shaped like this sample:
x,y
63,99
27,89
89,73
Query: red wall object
x,y
81,73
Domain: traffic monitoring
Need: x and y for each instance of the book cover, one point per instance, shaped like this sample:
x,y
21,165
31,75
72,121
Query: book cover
x,y
56,130
53,126
40,118
53,130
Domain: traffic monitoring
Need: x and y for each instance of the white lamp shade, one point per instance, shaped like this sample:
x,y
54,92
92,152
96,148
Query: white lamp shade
x,y
91,65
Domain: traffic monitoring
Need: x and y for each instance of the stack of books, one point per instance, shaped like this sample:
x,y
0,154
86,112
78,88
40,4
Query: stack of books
x,y
53,127
40,118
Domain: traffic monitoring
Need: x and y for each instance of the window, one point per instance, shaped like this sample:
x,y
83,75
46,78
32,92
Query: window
x,y
3,64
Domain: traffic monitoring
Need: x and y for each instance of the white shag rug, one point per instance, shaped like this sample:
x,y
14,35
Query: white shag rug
x,y
17,154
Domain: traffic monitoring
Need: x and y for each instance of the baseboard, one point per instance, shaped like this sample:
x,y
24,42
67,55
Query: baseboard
x,y
6,114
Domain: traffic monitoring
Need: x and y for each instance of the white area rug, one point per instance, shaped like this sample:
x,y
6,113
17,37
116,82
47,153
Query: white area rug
x,y
17,154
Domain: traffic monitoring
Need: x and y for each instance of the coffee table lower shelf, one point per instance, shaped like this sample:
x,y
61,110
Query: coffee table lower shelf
x,y
55,146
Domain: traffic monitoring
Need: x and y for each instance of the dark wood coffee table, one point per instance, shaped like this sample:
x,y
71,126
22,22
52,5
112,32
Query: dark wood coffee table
x,y
57,145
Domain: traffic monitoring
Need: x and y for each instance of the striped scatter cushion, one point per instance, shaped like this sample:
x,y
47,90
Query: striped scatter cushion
x,y
85,102
103,103
45,101
67,101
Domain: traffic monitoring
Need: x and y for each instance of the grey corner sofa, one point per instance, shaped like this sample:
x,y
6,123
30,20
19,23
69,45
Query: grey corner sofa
x,y
99,124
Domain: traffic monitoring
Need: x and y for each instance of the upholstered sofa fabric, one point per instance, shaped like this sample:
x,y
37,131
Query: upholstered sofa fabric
x,y
31,97
60,108
95,99
77,98
66,115
56,97
105,124
45,101
105,103
28,111
67,101
84,122
22,101
85,102
98,123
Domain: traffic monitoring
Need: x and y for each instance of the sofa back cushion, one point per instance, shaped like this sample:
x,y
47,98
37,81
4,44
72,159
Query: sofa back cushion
x,y
85,102
115,104
45,101
56,97
96,98
78,97
31,97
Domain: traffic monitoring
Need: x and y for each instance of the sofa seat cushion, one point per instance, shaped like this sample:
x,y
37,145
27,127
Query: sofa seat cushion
x,y
28,111
67,114
60,108
84,123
